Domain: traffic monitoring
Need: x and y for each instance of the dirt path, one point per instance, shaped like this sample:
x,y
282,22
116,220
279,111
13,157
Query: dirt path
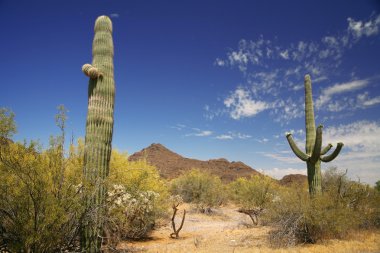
x,y
226,230
223,231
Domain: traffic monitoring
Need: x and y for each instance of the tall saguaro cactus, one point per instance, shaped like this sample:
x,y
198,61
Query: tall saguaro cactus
x,y
314,152
99,128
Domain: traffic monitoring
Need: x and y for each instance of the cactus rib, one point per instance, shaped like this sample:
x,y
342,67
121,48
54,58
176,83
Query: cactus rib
x,y
99,129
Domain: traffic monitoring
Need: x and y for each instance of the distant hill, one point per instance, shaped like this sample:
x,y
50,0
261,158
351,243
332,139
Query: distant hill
x,y
171,165
293,179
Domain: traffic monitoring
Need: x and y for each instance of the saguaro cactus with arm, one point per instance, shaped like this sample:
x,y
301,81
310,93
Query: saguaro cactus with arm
x,y
314,152
99,128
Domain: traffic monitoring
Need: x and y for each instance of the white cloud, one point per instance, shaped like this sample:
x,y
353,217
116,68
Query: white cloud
x,y
264,82
243,136
272,70
263,140
115,15
233,135
199,133
285,54
357,136
363,100
220,62
203,133
331,41
224,137
178,127
361,151
372,101
328,93
241,104
361,28
285,110
319,79
298,87
239,58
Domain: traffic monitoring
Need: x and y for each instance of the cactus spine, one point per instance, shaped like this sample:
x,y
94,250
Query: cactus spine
x,y
314,152
99,128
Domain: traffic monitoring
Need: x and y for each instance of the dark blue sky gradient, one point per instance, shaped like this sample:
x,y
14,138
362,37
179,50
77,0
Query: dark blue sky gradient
x,y
165,71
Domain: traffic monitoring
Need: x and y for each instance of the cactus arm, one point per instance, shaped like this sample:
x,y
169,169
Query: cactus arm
x,y
317,146
326,149
301,155
334,154
91,71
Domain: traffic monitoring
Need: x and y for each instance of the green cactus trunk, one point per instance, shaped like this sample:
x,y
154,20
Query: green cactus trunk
x,y
314,177
99,128
314,151
309,116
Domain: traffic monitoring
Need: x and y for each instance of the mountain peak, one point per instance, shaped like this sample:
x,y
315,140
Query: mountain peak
x,y
157,146
171,165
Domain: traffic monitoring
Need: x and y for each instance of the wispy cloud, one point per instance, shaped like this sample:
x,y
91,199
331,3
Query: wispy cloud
x,y
361,151
194,131
179,127
200,133
285,110
220,62
224,137
360,154
263,140
361,28
272,70
240,104
363,100
233,135
327,94
115,15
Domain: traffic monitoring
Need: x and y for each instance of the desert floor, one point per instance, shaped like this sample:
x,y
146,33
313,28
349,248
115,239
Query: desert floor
x,y
226,230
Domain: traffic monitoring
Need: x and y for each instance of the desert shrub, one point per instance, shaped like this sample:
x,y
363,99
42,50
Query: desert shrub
x,y
360,198
41,194
377,186
7,123
40,207
344,206
252,195
202,189
130,216
137,197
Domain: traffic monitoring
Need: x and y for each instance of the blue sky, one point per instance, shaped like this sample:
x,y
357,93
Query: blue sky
x,y
207,79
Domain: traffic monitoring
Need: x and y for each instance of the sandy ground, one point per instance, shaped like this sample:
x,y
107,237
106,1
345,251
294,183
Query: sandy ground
x,y
226,230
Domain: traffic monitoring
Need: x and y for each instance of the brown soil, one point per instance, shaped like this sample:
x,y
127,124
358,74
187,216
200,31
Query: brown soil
x,y
226,230
222,231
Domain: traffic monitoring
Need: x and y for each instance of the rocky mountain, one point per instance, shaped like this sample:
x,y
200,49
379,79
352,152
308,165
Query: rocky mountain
x,y
171,165
291,179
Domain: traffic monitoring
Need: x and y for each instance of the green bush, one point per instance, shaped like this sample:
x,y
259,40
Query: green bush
x,y
42,192
344,206
40,208
137,197
130,216
202,189
252,195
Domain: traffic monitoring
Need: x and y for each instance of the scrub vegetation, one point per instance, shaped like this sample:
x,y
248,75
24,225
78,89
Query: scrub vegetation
x,y
88,197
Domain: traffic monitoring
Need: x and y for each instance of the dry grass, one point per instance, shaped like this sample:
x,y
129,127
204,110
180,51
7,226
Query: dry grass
x,y
230,231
